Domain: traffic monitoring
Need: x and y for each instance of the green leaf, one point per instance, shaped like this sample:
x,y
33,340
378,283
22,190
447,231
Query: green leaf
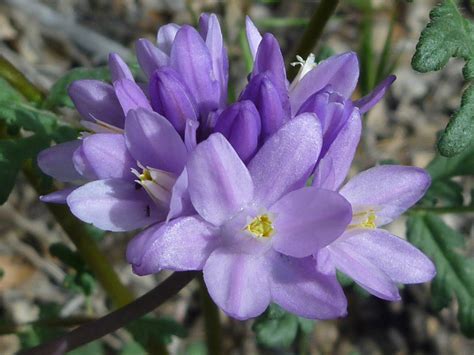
x,y
133,348
448,35
8,93
455,272
276,332
95,348
68,256
462,164
28,117
13,153
446,191
196,348
459,132
58,95
162,329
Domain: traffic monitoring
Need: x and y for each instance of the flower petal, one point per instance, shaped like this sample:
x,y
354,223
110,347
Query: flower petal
x,y
59,197
181,245
180,203
219,183
96,100
153,141
270,60
57,161
340,154
286,159
150,57
191,58
397,258
300,289
341,72
240,124
238,283
253,36
387,189
171,98
367,102
130,95
308,219
113,204
166,35
118,68
218,52
104,156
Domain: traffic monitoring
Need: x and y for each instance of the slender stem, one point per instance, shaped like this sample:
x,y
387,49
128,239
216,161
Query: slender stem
x,y
313,32
50,322
444,210
211,320
96,329
19,81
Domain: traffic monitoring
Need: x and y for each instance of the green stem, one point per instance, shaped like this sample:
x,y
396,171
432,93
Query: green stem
x,y
16,79
211,320
444,210
313,32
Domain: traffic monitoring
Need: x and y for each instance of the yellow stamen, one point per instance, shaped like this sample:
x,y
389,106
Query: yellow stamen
x,y
145,175
261,226
369,221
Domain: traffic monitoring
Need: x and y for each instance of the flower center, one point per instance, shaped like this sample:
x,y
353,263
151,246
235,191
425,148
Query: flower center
x,y
157,183
261,226
364,219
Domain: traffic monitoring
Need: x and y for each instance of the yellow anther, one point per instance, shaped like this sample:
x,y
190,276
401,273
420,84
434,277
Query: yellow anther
x,y
261,226
145,175
369,221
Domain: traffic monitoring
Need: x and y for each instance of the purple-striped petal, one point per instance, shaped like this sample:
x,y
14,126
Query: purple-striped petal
x,y
341,72
298,288
180,203
219,183
240,124
150,57
59,197
308,219
363,272
165,36
397,258
191,58
57,161
238,283
171,98
118,68
104,156
270,60
97,100
286,160
253,36
367,102
153,141
181,245
113,205
387,189
130,95
339,154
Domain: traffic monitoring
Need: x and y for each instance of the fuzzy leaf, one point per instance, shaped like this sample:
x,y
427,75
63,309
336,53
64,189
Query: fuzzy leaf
x,y
448,35
455,272
13,153
443,168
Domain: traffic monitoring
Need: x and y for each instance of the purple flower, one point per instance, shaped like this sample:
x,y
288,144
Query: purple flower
x,y
372,257
255,228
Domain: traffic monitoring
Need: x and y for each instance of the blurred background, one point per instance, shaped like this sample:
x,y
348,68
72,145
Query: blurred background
x,y
41,296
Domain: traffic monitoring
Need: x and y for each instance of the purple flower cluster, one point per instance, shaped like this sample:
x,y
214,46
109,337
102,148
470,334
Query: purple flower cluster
x,y
224,187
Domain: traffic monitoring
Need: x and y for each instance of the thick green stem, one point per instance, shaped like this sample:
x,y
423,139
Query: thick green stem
x,y
16,79
313,33
211,320
444,210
